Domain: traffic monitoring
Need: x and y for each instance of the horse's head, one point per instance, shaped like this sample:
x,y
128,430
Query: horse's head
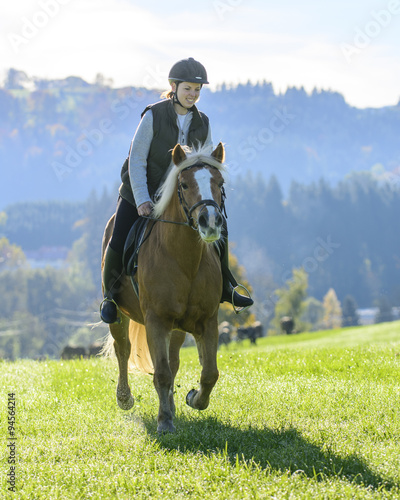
x,y
200,190
196,184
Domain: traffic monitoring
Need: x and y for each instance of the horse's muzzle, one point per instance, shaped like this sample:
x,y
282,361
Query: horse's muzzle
x,y
209,223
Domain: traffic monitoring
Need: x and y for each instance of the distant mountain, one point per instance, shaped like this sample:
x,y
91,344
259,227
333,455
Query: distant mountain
x,y
61,139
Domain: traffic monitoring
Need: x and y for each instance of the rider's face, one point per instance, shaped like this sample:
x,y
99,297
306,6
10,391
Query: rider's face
x,y
188,93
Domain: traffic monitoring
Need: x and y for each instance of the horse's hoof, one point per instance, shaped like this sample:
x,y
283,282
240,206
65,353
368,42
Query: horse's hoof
x,y
127,403
190,396
166,427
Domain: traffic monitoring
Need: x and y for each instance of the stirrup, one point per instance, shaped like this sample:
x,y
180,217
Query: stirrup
x,y
239,310
106,299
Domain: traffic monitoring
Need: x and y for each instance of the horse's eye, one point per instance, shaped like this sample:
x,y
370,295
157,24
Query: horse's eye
x,y
184,185
220,184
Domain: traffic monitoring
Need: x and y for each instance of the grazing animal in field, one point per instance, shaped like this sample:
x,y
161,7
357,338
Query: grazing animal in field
x,y
179,285
251,332
225,332
287,325
95,349
258,329
73,352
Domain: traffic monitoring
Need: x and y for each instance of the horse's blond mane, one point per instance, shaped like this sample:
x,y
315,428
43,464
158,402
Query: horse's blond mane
x,y
193,156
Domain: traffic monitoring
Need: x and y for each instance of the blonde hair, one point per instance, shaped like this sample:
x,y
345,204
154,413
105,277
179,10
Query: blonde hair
x,y
168,94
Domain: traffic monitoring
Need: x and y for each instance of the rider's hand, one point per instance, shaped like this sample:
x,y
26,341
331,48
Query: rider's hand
x,y
145,209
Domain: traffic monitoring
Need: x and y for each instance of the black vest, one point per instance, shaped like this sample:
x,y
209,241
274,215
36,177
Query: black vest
x,y
165,138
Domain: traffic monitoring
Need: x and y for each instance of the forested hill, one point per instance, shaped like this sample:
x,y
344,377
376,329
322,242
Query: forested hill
x,y
62,139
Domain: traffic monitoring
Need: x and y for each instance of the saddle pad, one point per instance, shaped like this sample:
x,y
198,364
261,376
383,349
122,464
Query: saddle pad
x,y
133,242
132,245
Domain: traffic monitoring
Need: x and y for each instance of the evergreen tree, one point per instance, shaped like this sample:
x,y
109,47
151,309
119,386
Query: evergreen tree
x,y
313,312
385,312
15,79
291,300
349,312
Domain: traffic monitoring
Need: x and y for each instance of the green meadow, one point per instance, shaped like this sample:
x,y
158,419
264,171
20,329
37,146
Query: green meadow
x,y
309,416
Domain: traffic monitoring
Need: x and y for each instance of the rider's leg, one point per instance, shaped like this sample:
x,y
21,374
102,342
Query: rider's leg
x,y
125,215
228,281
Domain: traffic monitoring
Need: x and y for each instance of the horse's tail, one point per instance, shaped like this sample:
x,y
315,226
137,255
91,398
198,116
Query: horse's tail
x,y
140,354
108,347
139,358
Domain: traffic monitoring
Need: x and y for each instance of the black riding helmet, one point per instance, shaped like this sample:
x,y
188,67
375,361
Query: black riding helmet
x,y
188,70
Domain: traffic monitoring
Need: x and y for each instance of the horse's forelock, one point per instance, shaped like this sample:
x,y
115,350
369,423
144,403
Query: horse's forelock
x,y
168,188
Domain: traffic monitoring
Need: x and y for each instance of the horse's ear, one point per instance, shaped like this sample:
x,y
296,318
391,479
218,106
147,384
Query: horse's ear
x,y
219,153
178,154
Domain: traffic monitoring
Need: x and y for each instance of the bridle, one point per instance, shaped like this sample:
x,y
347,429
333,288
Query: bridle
x,y
188,211
190,220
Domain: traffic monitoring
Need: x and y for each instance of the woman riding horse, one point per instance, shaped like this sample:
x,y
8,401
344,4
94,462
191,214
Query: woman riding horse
x,y
164,124
178,283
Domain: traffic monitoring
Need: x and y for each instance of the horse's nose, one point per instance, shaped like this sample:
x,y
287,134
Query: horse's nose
x,y
203,219
209,224
218,219
210,218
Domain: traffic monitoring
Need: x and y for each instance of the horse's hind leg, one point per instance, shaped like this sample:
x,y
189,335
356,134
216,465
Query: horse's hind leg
x,y
122,346
207,346
177,339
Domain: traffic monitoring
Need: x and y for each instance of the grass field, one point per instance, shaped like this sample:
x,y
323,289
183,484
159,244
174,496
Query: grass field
x,y
310,416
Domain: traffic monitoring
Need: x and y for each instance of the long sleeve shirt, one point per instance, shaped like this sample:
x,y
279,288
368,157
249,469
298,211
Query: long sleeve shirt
x,y
140,148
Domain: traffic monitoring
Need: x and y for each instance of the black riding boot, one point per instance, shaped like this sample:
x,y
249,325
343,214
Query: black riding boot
x,y
111,280
228,281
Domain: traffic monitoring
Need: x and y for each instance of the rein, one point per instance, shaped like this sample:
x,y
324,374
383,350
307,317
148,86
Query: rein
x,y
165,220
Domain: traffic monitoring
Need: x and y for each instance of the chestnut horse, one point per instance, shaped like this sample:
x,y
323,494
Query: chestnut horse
x,y
180,285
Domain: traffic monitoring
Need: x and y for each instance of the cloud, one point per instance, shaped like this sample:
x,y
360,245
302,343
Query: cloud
x,y
135,43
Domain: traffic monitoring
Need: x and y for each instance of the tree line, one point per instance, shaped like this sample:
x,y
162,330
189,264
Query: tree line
x,y
67,137
345,236
343,239
313,185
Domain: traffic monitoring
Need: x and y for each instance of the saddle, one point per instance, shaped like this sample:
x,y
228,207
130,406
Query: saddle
x,y
134,241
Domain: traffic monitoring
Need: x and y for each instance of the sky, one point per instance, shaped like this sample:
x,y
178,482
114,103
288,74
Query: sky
x,y
348,46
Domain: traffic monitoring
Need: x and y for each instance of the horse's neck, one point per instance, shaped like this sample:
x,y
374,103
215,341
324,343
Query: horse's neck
x,y
185,243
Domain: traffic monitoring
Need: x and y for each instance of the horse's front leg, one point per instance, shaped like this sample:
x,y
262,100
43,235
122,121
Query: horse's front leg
x,y
207,346
177,339
158,339
122,346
